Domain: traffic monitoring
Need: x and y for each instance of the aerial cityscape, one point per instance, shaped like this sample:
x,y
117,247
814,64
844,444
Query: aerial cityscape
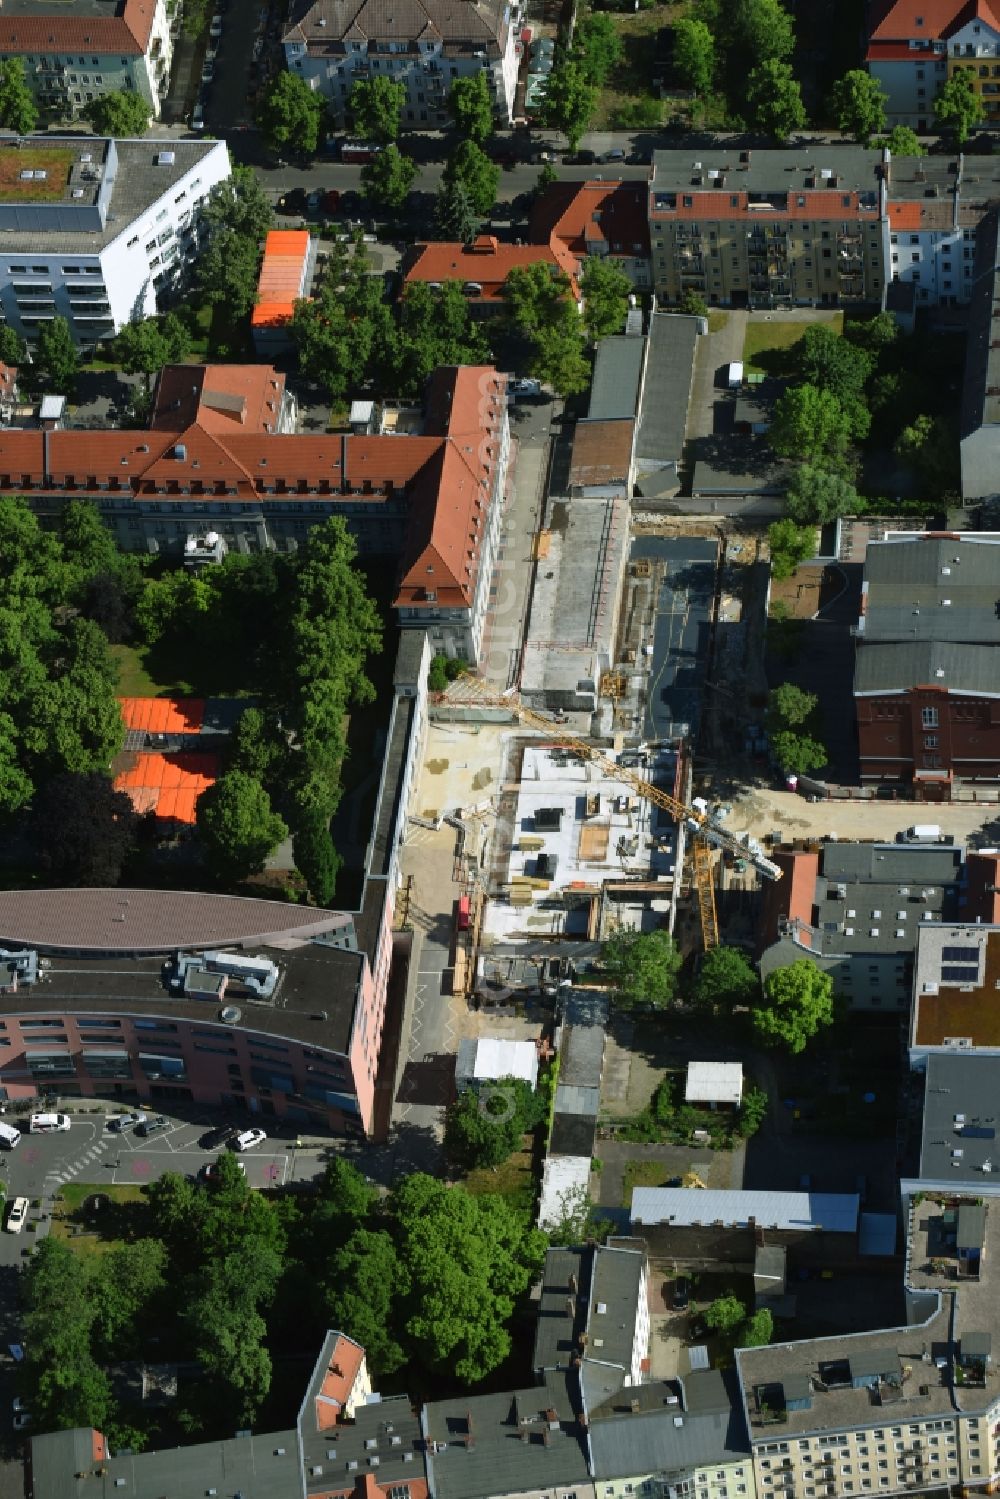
x,y
499,749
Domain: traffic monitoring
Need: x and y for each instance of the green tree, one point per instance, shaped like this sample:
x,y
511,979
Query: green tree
x,y
83,830
124,113
435,329
793,725
753,1111
16,787
18,110
455,218
789,706
570,101
858,105
597,46
542,310
62,1384
377,107
642,968
758,1329
957,106
316,859
809,424
693,305
237,216
126,1282
725,1314
484,1128
797,754
874,336
241,204
546,176
815,496
345,333
471,107
56,356
930,446
469,165
797,1004
726,979
902,141
694,54
750,31
467,1262
292,116
774,99
388,177
13,349
363,1290
789,544
237,826
257,746
606,291
229,1337
840,366
143,348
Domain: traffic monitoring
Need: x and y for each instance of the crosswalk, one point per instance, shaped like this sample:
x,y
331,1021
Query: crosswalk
x,y
85,1161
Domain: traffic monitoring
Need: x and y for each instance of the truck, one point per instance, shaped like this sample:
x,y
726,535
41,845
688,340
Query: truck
x,y
921,832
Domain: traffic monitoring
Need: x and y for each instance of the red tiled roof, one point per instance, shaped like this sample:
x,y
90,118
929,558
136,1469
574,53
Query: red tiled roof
x,y
345,1363
489,263
900,19
893,52
975,10
219,397
128,32
904,215
583,214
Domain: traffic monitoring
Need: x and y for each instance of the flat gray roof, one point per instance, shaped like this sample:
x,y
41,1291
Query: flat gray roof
x,y
531,1437
666,391
980,397
932,587
757,171
961,1096
662,1435
614,391
259,1467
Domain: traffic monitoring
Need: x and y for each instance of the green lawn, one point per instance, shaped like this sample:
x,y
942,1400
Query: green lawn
x,y
110,1231
644,1173
766,343
514,1180
134,679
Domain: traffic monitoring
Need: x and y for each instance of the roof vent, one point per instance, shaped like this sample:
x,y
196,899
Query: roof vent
x,y
946,603
230,1014
165,158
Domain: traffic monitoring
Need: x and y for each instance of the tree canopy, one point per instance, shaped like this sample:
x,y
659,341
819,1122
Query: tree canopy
x,y
84,830
145,347
472,168
694,54
858,102
483,1127
597,46
809,424
388,177
642,968
56,355
292,116
122,113
815,496
377,107
774,99
797,1005
902,141
237,216
606,290
18,110
570,100
454,216
237,826
542,310
471,107
793,726
725,980
957,106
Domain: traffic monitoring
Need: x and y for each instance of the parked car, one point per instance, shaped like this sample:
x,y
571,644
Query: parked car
x,y
16,1351
313,201
22,1417
247,1139
213,1138
47,1124
617,154
215,28
152,1126
585,158
294,203
17,1215
119,1123
198,118
208,71
519,389
331,200
682,1293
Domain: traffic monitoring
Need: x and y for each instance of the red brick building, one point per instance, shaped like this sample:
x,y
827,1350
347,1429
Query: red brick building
x,y
927,670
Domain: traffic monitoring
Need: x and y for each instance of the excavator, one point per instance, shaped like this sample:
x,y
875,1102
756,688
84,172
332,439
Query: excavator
x,y
706,831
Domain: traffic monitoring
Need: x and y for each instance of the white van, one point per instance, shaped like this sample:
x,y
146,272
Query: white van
x,y
923,832
45,1124
9,1136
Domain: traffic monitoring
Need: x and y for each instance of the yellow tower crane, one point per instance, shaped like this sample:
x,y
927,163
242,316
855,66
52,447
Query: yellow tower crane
x,y
706,831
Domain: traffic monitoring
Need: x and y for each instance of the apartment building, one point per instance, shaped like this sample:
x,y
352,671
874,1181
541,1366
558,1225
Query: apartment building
x,y
980,411
914,46
856,910
750,228
159,995
221,459
956,978
603,218
423,44
936,207
902,1410
927,667
99,231
72,55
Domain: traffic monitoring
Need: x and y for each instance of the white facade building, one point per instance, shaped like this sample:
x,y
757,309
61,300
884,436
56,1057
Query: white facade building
x,y
101,231
424,44
74,54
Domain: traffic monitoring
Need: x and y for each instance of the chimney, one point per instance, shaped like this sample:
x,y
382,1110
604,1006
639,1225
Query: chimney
x,y
570,1306
574,1284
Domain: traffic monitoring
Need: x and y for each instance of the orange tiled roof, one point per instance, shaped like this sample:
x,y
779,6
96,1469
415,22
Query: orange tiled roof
x,y
582,214
345,1363
489,263
168,785
163,715
127,32
904,215
899,20
219,397
282,276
